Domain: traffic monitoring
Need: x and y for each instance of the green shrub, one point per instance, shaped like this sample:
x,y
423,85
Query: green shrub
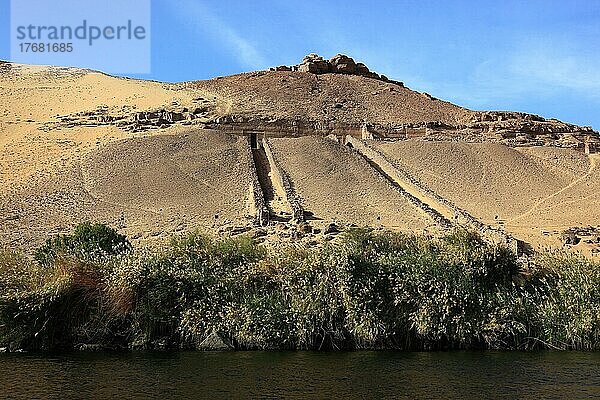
x,y
43,308
182,292
91,242
309,281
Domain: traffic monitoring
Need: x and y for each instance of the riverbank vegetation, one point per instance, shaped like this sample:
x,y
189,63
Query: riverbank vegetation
x,y
367,289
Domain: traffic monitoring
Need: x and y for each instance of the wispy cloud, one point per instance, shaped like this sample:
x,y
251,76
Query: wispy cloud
x,y
202,19
538,68
558,67
531,70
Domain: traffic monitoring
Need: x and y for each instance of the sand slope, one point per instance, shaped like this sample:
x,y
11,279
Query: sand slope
x,y
336,183
529,190
328,97
201,173
54,175
35,97
43,187
147,187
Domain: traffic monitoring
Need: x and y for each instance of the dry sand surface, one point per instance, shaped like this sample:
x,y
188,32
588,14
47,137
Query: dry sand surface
x,y
147,187
577,204
203,176
35,96
52,179
336,184
535,192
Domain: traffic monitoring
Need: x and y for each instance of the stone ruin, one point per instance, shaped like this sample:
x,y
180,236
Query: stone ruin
x,y
338,64
135,121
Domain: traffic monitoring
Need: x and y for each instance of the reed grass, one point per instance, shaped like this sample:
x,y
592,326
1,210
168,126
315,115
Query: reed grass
x,y
367,290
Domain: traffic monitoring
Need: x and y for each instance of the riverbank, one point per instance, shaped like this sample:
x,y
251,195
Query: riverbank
x,y
366,290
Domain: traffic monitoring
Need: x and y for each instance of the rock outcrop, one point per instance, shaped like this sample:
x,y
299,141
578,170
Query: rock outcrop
x,y
314,64
338,64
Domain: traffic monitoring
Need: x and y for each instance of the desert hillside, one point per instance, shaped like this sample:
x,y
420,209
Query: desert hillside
x,y
328,98
294,153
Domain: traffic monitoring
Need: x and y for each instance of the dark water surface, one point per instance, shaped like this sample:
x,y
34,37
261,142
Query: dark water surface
x,y
352,375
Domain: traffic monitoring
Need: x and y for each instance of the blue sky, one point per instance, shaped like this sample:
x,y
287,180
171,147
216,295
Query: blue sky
x,y
541,57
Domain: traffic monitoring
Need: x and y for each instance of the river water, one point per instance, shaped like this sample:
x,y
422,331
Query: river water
x,y
300,375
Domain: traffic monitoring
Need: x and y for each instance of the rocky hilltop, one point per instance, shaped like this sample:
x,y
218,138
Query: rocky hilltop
x,y
341,95
338,64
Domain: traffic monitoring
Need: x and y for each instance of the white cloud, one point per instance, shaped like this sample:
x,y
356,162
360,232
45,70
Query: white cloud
x,y
558,67
531,70
206,22
540,69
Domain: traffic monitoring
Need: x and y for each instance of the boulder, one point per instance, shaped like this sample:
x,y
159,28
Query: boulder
x,y
570,238
343,64
214,342
314,64
362,69
338,64
305,227
259,232
312,57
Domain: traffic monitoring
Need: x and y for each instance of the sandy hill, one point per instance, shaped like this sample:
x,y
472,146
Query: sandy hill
x,y
230,153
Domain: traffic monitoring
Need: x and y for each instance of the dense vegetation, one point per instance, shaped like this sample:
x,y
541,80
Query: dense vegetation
x,y
365,290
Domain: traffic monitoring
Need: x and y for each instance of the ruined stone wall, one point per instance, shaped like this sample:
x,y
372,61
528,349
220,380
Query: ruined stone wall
x,y
591,147
397,175
338,64
289,128
283,128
